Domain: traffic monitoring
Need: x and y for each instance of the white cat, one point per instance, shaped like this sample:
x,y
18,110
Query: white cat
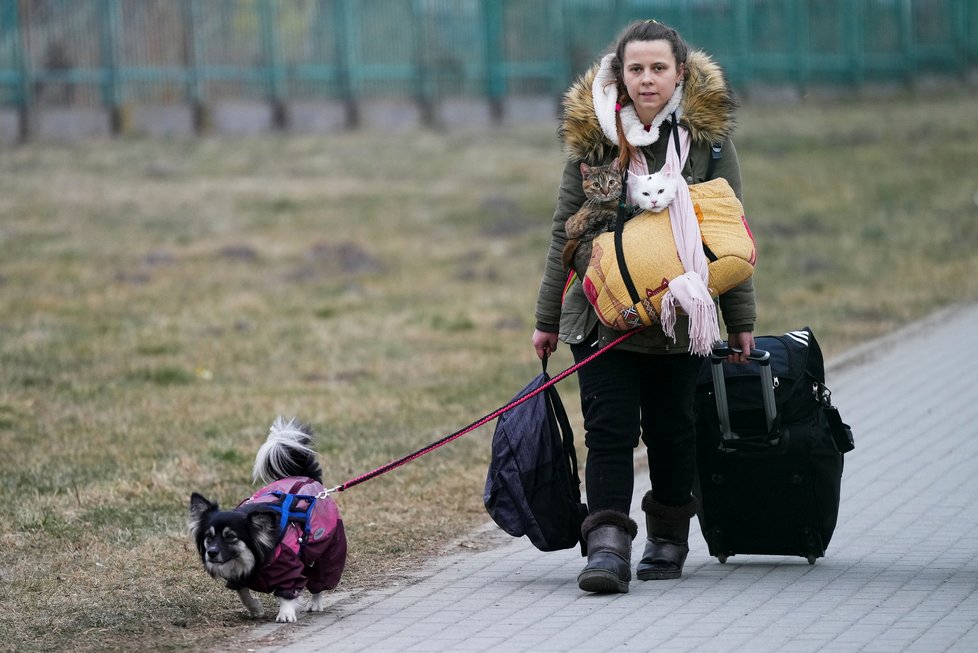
x,y
654,192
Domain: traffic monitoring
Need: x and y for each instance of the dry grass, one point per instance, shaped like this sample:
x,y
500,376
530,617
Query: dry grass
x,y
161,302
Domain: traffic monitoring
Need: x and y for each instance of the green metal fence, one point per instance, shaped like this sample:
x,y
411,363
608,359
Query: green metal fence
x,y
116,53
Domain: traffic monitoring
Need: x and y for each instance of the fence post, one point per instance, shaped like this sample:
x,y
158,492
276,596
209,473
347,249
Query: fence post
x,y
801,10
562,73
20,23
200,113
618,11
320,27
855,21
963,17
742,34
272,55
347,60
423,65
908,51
119,120
495,77
967,48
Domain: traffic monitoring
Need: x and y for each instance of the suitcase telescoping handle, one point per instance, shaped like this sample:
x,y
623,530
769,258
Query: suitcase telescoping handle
x,y
763,359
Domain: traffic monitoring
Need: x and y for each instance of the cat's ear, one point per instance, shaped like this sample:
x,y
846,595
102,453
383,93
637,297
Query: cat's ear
x,y
585,169
614,165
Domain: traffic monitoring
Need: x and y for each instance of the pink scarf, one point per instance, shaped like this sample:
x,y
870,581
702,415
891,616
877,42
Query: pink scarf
x,y
688,291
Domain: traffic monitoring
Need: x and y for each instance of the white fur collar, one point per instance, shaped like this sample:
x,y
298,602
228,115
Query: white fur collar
x,y
604,95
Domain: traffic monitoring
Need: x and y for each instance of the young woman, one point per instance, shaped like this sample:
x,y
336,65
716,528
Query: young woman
x,y
643,389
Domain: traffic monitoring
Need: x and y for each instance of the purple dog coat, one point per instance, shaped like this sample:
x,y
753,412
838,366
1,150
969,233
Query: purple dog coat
x,y
312,552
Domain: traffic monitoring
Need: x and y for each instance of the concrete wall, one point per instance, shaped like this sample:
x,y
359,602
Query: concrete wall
x,y
248,118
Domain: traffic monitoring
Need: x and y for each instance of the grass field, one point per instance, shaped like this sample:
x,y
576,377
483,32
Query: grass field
x,y
161,302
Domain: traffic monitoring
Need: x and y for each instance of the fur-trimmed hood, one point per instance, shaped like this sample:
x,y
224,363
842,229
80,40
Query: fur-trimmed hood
x,y
707,110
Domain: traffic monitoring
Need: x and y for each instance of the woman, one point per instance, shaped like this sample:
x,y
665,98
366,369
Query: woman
x,y
623,108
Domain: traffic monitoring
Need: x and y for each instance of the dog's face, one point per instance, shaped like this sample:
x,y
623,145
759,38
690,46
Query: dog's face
x,y
231,543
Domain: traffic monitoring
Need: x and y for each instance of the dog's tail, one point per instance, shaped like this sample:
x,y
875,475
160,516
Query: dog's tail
x,y
287,452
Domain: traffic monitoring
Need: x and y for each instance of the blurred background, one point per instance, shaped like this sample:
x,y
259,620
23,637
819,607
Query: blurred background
x,y
160,67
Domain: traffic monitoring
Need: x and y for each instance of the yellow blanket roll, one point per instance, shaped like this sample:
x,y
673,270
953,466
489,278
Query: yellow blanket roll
x,y
650,255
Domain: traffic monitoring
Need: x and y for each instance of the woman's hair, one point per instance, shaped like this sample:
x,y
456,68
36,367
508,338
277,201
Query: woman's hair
x,y
643,30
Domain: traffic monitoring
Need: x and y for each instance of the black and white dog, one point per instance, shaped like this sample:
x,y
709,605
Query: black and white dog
x,y
286,537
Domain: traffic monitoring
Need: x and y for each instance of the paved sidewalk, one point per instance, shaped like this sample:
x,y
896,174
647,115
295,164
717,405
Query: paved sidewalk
x,y
901,572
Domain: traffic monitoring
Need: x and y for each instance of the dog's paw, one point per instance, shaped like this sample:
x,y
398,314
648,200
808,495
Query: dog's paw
x,y
315,603
254,606
286,611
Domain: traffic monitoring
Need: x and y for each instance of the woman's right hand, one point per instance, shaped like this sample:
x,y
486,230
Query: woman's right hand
x,y
544,342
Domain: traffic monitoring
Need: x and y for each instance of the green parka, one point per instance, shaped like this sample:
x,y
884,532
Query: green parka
x,y
708,113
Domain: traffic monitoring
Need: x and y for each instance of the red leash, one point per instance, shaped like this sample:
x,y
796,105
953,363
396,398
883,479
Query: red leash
x,y
474,425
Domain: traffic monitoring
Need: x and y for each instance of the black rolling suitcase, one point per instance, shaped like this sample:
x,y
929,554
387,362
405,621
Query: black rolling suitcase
x,y
770,451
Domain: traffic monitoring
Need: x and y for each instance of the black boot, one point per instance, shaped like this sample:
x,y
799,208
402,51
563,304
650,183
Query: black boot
x,y
609,536
668,538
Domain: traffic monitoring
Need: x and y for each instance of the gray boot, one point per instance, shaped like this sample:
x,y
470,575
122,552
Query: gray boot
x,y
609,536
668,538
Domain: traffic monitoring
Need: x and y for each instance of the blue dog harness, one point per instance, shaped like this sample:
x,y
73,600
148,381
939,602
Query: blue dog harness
x,y
284,506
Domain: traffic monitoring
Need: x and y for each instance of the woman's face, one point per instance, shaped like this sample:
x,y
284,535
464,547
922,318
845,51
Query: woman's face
x,y
651,75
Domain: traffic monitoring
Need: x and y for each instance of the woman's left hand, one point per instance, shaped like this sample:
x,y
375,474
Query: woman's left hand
x,y
743,341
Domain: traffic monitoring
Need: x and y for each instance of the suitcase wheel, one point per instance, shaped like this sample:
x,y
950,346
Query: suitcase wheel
x,y
722,557
813,545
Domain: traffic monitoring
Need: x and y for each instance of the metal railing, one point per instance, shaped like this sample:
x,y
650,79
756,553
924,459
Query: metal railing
x,y
114,54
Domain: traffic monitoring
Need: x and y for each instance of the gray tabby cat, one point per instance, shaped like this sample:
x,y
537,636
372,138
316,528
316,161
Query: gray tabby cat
x,y
602,188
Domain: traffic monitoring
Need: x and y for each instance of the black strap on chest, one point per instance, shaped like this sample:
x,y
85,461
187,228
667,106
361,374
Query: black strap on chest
x,y
716,151
626,277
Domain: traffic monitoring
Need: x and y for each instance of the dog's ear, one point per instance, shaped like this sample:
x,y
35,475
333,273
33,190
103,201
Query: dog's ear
x,y
199,507
263,525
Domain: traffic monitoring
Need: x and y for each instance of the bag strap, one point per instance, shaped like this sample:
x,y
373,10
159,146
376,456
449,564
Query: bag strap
x,y
716,152
626,276
674,127
566,432
716,149
556,407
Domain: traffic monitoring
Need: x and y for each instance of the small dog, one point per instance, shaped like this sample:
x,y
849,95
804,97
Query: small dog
x,y
286,537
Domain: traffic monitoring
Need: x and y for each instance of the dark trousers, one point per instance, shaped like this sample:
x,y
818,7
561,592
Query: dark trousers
x,y
626,396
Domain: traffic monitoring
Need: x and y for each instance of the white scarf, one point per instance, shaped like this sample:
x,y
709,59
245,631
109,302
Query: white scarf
x,y
689,290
